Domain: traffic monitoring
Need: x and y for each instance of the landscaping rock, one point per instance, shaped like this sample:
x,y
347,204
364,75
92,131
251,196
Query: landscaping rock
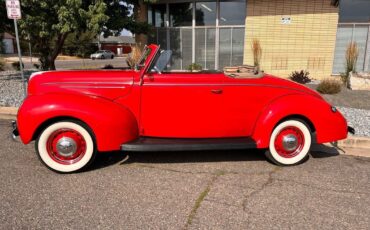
x,y
359,81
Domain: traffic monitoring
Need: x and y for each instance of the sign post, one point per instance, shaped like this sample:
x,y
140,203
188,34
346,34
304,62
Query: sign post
x,y
13,8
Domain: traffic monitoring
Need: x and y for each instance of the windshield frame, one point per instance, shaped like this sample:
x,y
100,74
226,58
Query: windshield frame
x,y
144,57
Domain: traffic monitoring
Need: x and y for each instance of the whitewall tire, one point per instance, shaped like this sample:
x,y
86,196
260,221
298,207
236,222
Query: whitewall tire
x,y
290,143
66,146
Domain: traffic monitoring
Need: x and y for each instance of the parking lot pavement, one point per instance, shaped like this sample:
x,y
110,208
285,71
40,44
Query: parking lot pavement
x,y
118,62
187,190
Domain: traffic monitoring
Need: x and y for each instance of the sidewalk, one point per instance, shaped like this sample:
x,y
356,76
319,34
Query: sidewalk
x,y
353,145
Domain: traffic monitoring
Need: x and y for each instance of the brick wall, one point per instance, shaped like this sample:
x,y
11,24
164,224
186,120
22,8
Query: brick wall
x,y
308,42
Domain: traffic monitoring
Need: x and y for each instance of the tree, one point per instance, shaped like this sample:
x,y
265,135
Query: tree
x,y
49,22
141,26
80,44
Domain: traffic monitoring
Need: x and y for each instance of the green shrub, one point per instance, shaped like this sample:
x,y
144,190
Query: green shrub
x,y
17,66
329,86
194,67
301,77
2,64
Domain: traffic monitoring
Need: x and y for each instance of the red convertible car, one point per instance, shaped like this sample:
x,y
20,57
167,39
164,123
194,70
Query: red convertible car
x,y
72,115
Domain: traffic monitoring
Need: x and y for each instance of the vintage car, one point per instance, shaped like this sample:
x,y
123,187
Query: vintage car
x,y
72,115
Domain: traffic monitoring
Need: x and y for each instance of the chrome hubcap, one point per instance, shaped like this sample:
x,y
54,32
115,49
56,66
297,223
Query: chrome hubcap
x,y
290,142
66,146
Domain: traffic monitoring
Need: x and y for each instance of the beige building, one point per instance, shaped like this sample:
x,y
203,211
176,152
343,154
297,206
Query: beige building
x,y
294,34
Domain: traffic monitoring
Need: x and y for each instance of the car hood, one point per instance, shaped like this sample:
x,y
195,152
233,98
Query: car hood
x,y
110,84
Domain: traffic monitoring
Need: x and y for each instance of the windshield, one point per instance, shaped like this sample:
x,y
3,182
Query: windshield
x,y
143,58
100,52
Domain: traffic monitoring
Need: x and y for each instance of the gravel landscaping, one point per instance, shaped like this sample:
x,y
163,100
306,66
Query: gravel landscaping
x,y
358,119
355,105
11,88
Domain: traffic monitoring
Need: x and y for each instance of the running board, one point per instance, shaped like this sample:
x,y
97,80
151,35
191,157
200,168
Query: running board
x,y
147,144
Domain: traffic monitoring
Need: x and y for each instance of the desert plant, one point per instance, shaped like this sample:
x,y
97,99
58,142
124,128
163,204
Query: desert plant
x,y
134,56
2,64
36,65
17,66
329,86
352,53
301,77
108,66
194,67
257,52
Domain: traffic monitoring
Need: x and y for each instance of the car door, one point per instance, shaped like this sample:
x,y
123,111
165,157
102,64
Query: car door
x,y
181,105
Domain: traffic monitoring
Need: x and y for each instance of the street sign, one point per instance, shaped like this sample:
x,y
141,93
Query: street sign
x,y
13,8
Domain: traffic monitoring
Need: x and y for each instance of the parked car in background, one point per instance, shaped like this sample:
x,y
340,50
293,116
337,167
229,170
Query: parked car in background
x,y
102,54
73,115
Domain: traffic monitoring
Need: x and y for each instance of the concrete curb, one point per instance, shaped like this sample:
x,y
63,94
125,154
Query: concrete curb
x,y
352,142
355,142
8,112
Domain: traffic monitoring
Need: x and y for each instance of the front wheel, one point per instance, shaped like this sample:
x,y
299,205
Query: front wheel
x,y
66,146
290,143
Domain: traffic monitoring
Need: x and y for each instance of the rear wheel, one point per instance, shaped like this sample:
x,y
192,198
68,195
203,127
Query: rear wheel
x,y
290,143
66,146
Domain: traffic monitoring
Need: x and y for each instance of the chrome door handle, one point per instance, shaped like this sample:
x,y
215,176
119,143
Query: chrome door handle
x,y
216,91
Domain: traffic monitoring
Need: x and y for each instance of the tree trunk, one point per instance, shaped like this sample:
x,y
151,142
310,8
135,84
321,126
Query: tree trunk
x,y
141,16
57,49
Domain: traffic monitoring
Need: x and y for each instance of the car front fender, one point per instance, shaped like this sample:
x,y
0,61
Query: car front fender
x,y
111,123
328,125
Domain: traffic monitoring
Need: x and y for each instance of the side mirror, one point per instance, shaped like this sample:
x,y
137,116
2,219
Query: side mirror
x,y
162,61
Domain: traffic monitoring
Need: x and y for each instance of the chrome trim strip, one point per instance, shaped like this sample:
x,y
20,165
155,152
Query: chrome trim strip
x,y
216,84
92,87
87,82
224,85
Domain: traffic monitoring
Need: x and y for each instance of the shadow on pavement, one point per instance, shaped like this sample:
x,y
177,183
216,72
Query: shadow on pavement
x,y
107,159
324,151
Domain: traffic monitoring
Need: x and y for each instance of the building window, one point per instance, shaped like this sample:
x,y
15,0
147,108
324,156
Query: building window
x,y
205,13
194,36
354,11
157,15
181,14
205,47
351,33
232,12
231,47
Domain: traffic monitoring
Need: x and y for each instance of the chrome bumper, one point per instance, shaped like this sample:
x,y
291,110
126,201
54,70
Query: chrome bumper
x,y
15,132
351,130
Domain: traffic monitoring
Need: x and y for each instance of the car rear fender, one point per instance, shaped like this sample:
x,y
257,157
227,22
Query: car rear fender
x,y
111,123
317,113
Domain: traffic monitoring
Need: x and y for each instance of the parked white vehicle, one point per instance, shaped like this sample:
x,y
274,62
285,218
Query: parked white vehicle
x,y
102,54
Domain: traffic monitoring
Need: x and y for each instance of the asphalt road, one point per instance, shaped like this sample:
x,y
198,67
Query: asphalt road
x,y
193,190
117,62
